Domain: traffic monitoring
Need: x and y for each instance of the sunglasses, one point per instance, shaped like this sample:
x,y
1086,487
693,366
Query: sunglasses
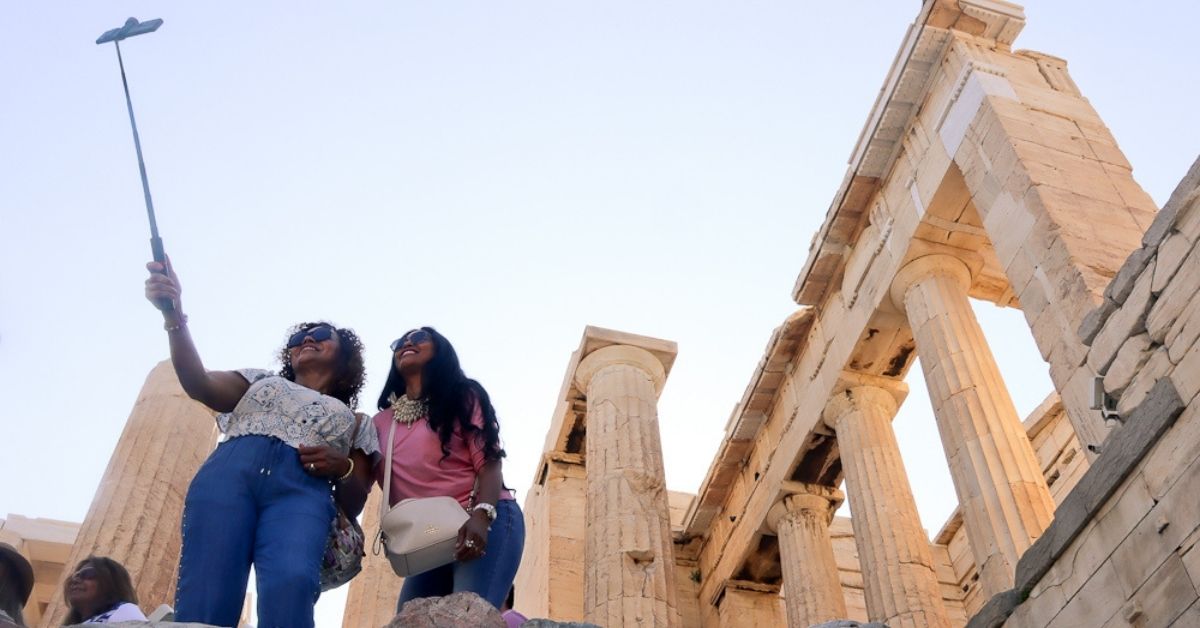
x,y
319,334
416,337
87,573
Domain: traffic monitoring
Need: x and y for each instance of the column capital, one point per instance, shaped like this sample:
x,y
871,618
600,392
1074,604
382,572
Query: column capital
x,y
928,266
627,355
798,498
854,389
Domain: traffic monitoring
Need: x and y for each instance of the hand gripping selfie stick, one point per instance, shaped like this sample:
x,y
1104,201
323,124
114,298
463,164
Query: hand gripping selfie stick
x,y
132,28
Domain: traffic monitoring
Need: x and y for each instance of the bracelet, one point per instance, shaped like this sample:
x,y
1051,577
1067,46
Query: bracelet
x,y
348,471
180,323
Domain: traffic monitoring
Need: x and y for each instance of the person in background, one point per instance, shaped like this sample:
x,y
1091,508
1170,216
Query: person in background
x,y
99,591
512,618
266,494
447,442
16,583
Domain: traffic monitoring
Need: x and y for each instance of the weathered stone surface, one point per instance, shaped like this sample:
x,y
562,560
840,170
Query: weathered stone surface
x,y
1171,254
1122,284
1122,452
1095,320
1169,216
1175,298
1157,365
1128,320
1132,355
996,610
458,610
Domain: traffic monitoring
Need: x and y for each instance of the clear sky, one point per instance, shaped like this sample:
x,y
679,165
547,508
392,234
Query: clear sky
x,y
508,172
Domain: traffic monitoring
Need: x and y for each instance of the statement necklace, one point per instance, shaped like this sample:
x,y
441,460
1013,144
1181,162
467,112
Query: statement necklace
x,y
407,411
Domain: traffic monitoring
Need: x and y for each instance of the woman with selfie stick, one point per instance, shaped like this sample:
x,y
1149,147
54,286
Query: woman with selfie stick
x,y
263,498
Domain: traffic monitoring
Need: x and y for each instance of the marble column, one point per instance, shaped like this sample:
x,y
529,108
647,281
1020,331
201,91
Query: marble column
x,y
135,513
899,579
629,572
371,599
1003,495
812,587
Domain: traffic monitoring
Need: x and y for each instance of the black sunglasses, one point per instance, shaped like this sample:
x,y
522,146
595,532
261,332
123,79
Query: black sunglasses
x,y
87,573
320,333
416,337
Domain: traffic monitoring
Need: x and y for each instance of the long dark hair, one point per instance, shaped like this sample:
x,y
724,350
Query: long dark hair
x,y
351,371
451,396
112,581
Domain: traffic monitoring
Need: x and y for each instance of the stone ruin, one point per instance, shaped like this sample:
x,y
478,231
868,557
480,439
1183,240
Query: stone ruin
x,y
982,173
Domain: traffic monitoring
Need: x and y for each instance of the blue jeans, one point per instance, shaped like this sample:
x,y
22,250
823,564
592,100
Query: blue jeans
x,y
251,502
490,576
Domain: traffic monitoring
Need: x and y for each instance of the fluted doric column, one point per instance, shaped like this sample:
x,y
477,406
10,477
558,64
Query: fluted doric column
x,y
629,572
899,579
135,514
1003,495
812,587
371,600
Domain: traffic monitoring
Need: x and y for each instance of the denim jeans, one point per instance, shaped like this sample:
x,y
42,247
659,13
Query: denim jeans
x,y
490,576
252,503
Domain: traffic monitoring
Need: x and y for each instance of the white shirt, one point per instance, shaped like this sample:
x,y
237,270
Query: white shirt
x,y
127,611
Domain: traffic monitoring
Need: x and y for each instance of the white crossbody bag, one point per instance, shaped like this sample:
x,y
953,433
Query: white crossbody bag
x,y
417,534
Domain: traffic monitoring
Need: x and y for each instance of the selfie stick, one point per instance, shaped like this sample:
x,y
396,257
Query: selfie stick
x,y
133,28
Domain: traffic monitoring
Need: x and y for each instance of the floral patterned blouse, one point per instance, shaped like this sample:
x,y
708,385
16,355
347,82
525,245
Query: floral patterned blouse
x,y
275,406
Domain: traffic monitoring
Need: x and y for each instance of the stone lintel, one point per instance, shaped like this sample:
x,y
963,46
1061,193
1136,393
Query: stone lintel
x,y
749,585
794,496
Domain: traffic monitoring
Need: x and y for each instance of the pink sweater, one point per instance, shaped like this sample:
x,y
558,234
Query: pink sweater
x,y
418,469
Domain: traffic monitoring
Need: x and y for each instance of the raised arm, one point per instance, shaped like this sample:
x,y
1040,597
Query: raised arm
x,y
219,390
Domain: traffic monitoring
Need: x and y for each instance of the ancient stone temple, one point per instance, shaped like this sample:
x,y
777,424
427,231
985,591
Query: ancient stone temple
x,y
982,173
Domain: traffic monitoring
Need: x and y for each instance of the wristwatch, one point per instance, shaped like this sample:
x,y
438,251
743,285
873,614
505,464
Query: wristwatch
x,y
487,509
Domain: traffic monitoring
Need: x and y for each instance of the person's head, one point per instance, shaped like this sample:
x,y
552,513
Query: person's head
x,y
16,582
450,393
95,585
321,345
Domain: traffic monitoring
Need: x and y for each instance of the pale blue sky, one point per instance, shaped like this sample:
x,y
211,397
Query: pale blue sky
x,y
508,172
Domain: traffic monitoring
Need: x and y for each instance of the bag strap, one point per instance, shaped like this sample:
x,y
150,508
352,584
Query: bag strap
x,y
385,501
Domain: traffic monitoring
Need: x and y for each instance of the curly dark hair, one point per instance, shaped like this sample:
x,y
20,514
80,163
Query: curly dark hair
x,y
112,580
351,371
451,396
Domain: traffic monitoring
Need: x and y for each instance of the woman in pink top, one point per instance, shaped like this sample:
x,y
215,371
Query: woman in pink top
x,y
448,443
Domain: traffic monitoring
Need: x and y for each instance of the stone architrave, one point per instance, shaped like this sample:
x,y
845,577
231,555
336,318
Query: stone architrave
x,y
899,579
135,514
811,585
371,600
1005,502
629,573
